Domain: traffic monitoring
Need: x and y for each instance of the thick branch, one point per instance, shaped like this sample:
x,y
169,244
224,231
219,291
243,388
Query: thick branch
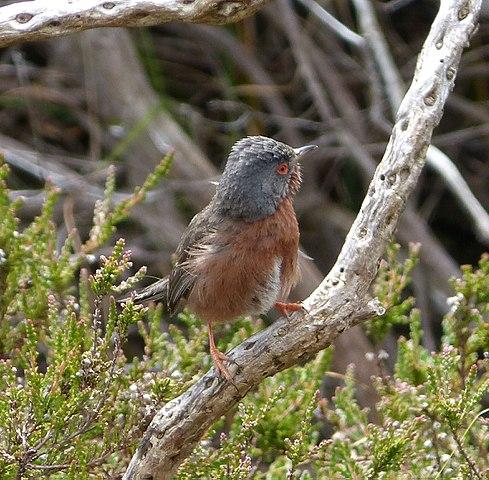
x,y
41,19
341,300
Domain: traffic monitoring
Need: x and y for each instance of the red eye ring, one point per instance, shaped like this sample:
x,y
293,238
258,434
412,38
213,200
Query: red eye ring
x,y
283,169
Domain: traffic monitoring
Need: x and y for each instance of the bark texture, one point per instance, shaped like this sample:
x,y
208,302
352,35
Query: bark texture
x,y
41,19
342,299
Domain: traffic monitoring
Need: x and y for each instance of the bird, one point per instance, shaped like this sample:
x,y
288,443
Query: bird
x,y
239,255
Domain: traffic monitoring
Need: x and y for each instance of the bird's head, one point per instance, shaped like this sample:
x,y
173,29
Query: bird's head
x,y
260,172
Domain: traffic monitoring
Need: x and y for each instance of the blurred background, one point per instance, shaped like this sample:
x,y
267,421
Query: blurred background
x,y
329,73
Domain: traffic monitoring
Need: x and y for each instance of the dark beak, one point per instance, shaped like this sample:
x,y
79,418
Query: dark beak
x,y
305,149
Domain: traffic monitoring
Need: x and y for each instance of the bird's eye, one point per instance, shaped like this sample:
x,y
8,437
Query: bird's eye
x,y
283,169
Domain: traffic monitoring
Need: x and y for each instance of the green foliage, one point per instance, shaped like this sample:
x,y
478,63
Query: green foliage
x,y
431,423
272,424
105,219
394,276
466,326
73,405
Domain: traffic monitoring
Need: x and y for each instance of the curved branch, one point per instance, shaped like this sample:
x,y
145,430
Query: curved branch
x,y
42,19
342,300
435,158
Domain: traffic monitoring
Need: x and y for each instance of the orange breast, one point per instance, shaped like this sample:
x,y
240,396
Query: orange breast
x,y
256,266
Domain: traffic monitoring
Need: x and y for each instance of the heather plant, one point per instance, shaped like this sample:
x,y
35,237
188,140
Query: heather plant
x,y
74,404
432,421
393,278
69,405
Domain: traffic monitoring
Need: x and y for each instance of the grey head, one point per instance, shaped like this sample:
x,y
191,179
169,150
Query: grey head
x,y
260,172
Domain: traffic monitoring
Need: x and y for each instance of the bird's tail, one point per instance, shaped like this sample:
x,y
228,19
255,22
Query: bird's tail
x,y
155,291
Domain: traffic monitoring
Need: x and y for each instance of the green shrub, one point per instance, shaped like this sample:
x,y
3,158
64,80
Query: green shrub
x,y
73,406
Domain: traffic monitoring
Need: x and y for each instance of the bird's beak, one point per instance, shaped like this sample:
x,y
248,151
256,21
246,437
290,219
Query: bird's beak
x,y
305,149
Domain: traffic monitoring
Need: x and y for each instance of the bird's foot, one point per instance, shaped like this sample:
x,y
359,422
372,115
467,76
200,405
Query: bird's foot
x,y
219,358
285,308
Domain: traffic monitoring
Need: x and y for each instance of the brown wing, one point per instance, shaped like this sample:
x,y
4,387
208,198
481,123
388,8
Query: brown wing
x,y
182,278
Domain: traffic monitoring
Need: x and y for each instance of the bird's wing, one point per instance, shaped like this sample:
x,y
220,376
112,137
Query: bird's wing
x,y
182,277
181,280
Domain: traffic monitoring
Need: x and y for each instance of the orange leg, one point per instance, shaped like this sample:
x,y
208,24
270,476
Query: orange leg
x,y
285,308
218,357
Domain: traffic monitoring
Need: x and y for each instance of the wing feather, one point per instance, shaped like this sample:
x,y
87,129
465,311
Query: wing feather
x,y
193,244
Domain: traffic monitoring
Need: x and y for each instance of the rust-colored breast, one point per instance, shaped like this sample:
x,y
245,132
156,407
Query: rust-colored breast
x,y
249,267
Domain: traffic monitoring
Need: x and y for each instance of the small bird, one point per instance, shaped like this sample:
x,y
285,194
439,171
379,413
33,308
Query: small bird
x,y
238,256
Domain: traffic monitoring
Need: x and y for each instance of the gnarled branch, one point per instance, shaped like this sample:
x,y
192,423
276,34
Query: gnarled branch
x,y
342,300
435,158
41,19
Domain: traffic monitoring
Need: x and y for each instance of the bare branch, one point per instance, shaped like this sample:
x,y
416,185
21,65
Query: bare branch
x,y
334,24
342,300
379,49
411,228
444,166
41,19
436,159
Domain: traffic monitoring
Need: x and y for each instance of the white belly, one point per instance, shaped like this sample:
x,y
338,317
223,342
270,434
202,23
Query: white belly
x,y
266,297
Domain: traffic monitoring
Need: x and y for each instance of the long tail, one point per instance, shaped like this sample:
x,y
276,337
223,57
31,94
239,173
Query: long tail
x,y
153,292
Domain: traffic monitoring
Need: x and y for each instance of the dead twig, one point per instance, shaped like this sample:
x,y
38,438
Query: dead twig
x,y
41,19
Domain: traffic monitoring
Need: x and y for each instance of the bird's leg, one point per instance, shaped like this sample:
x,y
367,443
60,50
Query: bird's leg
x,y
218,357
285,308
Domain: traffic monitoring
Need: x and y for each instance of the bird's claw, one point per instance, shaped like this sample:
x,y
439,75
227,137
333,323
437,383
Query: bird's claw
x,y
219,358
285,308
